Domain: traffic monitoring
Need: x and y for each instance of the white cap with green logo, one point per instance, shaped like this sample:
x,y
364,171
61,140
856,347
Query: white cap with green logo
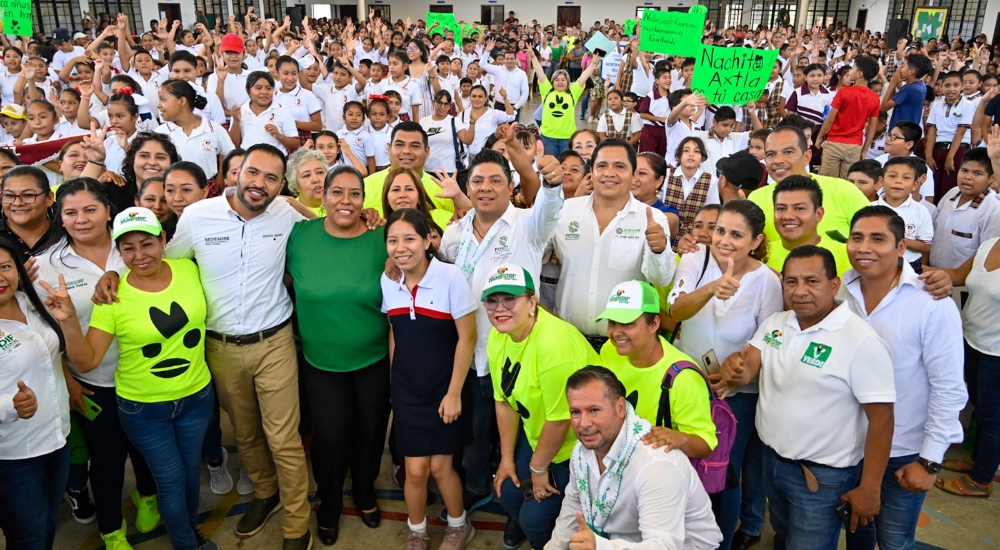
x,y
508,279
135,218
629,300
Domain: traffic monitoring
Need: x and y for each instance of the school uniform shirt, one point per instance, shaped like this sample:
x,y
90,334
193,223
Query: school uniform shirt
x,y
114,157
594,262
69,129
930,208
877,149
333,101
485,126
917,219
380,142
810,106
924,336
618,122
442,140
947,119
203,147
959,230
822,375
374,88
60,58
360,141
642,83
30,352
234,89
926,188
213,111
252,129
687,185
654,104
719,149
301,103
409,90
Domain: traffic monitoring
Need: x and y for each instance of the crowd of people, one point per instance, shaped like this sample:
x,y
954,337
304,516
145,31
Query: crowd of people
x,y
641,319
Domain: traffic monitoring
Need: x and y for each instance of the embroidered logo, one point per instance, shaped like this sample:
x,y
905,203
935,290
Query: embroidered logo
x,y
816,355
206,145
8,342
773,339
574,232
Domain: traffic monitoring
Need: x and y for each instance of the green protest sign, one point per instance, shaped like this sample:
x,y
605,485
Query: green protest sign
x,y
732,76
15,16
671,32
629,26
445,21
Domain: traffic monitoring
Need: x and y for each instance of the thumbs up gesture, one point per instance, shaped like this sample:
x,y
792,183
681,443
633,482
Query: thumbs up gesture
x,y
727,286
656,237
24,401
584,538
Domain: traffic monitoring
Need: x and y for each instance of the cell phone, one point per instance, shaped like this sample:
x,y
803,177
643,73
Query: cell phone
x,y
844,513
91,409
711,362
837,236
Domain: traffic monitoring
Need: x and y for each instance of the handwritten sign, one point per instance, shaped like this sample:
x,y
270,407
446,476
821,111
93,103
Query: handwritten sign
x,y
15,17
629,26
732,76
610,65
671,32
445,21
600,42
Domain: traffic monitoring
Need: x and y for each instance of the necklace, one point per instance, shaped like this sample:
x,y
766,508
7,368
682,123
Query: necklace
x,y
895,282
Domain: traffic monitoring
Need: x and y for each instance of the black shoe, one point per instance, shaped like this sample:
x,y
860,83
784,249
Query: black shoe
x,y
328,535
743,541
513,536
204,543
371,519
255,518
84,511
302,543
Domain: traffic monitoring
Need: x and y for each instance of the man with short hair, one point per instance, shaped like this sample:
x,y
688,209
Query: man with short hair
x,y
508,77
408,148
623,493
798,211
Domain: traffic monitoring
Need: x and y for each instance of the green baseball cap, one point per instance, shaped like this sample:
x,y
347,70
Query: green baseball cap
x,y
136,218
629,300
508,279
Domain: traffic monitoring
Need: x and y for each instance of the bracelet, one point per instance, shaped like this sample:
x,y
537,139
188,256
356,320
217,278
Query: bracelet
x,y
95,163
535,472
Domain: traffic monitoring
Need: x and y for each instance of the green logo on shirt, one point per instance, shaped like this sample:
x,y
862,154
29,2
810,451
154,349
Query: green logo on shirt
x,y
574,232
816,355
772,339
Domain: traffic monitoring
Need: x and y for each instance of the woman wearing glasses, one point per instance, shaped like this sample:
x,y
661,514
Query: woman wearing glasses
x,y
26,200
531,355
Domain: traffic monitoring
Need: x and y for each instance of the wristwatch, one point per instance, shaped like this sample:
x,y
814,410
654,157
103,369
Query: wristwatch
x,y
931,467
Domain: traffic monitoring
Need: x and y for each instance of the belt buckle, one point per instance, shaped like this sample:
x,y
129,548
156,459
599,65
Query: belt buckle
x,y
241,340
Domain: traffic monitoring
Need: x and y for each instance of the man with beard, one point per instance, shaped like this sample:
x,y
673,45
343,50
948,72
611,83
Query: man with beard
x,y
238,240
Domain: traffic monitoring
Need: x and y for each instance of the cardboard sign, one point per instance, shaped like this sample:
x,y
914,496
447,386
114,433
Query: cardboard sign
x,y
732,76
600,42
629,26
15,17
446,22
671,32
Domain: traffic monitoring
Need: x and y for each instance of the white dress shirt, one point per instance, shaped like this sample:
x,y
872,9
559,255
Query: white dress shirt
x,y
594,262
661,504
520,238
515,82
241,262
924,337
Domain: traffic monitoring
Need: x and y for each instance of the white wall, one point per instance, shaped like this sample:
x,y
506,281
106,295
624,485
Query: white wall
x,y
526,10
990,19
150,11
878,14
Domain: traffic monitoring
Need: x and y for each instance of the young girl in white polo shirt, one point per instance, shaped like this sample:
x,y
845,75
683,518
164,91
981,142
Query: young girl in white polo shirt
x,y
302,104
262,119
356,134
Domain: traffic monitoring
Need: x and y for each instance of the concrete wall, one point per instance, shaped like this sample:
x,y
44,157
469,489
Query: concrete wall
x,y
878,13
526,10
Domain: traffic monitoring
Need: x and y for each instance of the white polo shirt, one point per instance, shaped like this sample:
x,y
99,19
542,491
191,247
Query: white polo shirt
x,y
719,149
924,336
408,89
234,88
213,111
927,187
594,262
252,129
947,118
687,185
918,224
959,230
813,384
203,147
380,142
301,104
333,103
618,122
241,262
360,141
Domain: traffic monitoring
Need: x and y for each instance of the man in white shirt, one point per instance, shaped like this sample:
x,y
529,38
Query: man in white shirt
x,y
623,493
606,238
924,336
826,402
508,77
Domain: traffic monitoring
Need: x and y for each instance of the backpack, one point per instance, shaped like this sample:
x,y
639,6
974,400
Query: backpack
x,y
713,470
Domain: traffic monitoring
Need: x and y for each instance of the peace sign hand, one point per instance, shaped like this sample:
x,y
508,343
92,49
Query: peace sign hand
x,y
93,145
59,302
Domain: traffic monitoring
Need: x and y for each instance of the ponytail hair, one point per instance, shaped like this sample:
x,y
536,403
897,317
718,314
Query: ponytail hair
x,y
182,89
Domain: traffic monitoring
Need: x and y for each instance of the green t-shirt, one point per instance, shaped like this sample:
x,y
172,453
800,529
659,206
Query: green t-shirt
x,y
557,53
841,200
338,296
531,375
776,255
373,191
558,121
161,336
690,410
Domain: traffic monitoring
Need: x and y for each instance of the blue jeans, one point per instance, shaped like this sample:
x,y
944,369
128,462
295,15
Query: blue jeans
x,y
476,457
584,103
169,435
554,147
982,374
537,519
895,526
31,491
803,520
211,448
745,502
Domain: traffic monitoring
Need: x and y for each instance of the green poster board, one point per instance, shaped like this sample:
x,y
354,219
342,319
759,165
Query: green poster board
x,y
671,32
732,76
629,26
15,16
446,22
929,22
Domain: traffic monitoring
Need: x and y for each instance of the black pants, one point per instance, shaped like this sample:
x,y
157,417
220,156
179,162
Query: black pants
x,y
350,414
108,446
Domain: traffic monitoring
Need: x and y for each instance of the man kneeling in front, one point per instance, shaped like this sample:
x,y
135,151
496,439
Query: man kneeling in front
x,y
622,493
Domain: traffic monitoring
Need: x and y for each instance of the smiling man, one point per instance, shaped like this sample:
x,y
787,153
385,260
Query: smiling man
x,y
798,211
407,149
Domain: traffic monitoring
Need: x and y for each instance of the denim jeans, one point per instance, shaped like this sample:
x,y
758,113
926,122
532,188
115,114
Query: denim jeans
x,y
211,448
476,457
31,490
554,147
537,519
584,104
169,435
895,526
982,374
803,520
745,502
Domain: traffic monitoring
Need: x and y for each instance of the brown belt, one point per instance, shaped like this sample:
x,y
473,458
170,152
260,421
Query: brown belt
x,y
811,482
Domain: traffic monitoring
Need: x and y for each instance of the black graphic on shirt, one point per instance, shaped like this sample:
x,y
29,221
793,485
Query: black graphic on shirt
x,y
558,104
169,324
508,379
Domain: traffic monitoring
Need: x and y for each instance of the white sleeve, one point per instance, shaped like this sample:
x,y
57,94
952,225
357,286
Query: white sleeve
x,y
871,379
8,413
662,496
687,273
924,230
942,336
658,269
286,124
540,225
602,124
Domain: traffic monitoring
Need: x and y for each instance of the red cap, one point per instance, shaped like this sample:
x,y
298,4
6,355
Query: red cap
x,y
232,43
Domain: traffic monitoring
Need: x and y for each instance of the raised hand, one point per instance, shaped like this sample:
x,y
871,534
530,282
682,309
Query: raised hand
x,y
59,303
726,287
656,237
93,144
551,170
449,185
24,401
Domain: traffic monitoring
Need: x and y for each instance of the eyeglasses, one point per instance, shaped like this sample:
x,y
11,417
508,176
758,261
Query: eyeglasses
x,y
892,137
26,198
493,302
412,48
443,103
